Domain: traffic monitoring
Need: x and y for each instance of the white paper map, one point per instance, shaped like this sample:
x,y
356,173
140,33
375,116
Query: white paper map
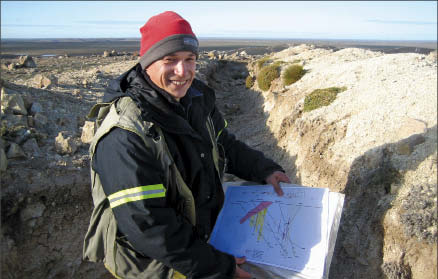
x,y
288,232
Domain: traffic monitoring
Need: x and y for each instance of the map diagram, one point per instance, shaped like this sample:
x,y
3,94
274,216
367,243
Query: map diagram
x,y
287,231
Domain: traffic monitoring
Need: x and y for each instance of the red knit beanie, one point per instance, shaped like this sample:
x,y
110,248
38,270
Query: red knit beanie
x,y
163,34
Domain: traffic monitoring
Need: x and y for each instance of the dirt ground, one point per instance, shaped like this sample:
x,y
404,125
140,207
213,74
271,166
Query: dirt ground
x,y
46,201
45,194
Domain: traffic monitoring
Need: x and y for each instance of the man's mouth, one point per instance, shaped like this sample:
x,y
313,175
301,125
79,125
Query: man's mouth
x,y
178,82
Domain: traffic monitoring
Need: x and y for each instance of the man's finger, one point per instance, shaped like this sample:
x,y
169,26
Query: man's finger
x,y
241,274
282,177
277,188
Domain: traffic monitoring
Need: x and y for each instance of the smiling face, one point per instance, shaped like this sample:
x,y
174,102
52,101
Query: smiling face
x,y
174,73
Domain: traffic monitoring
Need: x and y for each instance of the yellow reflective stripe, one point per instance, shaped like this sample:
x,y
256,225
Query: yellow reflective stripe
x,y
136,194
135,190
220,132
137,198
109,269
177,275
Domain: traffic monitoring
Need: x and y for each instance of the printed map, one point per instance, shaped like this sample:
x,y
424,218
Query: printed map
x,y
288,232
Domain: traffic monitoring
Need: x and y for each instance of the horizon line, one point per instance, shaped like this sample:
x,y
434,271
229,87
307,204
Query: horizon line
x,y
227,38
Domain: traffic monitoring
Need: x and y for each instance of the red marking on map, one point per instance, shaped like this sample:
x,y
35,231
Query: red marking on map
x,y
255,210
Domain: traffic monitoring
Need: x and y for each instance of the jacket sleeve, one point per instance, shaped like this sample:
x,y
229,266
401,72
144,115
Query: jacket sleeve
x,y
242,160
133,182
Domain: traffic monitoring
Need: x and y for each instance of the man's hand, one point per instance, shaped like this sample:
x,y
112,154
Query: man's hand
x,y
275,178
240,273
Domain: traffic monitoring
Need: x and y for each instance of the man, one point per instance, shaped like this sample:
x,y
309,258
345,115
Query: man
x,y
157,161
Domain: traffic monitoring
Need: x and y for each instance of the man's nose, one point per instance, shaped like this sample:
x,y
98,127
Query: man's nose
x,y
180,68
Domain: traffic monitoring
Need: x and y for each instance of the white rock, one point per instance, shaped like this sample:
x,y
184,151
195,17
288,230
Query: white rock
x,y
12,66
65,144
87,132
44,81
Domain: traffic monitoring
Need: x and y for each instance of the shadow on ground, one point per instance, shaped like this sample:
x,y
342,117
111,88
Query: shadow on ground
x,y
369,192
244,111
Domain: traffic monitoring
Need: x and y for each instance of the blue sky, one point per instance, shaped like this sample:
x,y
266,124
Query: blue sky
x,y
374,20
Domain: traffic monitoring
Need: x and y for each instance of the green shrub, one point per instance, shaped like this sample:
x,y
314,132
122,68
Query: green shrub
x,y
249,82
262,61
278,63
321,97
266,76
292,74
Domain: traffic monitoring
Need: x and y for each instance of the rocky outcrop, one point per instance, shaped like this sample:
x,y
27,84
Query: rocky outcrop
x,y
45,196
377,143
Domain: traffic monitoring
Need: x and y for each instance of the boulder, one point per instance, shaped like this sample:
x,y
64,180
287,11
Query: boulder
x,y
31,148
26,62
5,66
30,121
34,210
44,81
40,120
233,56
87,132
432,57
3,144
15,151
3,160
65,144
22,135
36,108
12,102
28,101
212,54
106,53
14,122
12,66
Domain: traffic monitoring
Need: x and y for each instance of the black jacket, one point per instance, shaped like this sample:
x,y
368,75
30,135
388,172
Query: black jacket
x,y
152,226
